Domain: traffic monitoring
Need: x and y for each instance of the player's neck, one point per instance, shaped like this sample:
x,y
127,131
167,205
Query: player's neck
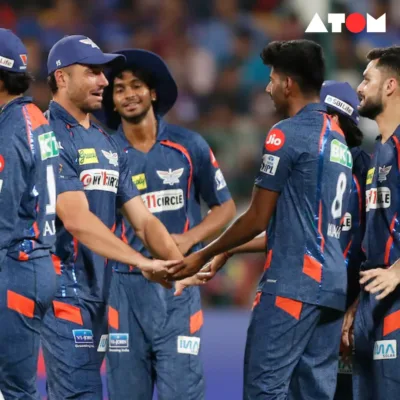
x,y
300,102
142,135
82,117
5,98
388,120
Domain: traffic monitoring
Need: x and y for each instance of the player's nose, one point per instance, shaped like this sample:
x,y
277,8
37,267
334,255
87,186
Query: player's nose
x,y
102,80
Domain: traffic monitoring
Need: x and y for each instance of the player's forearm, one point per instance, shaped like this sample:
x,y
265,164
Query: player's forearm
x,y
158,241
91,232
256,245
245,228
216,219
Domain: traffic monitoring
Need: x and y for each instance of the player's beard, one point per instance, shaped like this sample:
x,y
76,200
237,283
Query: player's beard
x,y
137,119
372,107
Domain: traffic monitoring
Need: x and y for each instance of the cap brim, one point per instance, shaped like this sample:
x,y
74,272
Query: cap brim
x,y
107,59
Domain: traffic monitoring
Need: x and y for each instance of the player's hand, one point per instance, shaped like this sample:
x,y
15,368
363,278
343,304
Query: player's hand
x,y
158,277
194,280
160,267
190,266
348,327
380,280
184,242
209,270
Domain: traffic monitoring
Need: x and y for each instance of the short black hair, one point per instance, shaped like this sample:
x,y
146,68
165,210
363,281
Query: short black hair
x,y
16,82
51,81
142,74
388,58
352,133
303,60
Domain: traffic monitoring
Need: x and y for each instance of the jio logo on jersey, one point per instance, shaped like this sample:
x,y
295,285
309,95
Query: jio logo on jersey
x,y
275,140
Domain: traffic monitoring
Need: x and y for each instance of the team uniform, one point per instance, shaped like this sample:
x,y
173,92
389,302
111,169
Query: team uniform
x,y
91,162
351,237
377,323
28,171
153,335
294,334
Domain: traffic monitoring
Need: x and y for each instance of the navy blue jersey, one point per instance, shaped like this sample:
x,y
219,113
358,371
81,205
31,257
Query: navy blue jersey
x,y
172,177
28,170
353,227
90,161
381,240
307,160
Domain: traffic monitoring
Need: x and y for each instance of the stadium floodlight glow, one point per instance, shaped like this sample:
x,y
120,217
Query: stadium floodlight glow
x,y
354,23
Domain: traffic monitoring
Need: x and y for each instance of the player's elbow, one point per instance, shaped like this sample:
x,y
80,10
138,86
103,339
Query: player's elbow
x,y
73,224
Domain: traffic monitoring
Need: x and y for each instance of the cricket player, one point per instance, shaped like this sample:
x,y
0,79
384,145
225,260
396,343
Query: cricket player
x,y
341,102
376,373
172,168
301,194
94,180
28,171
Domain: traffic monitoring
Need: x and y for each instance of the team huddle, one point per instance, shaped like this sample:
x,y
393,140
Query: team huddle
x,y
101,234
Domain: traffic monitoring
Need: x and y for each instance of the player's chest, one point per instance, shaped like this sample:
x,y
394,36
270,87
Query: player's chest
x,y
161,169
97,163
382,182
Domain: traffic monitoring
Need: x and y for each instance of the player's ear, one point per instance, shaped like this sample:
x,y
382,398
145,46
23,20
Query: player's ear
x,y
391,85
288,85
60,77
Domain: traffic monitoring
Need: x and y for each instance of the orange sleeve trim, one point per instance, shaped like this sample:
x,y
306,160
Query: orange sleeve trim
x,y
113,318
292,307
257,300
196,322
67,312
391,323
312,268
20,304
56,264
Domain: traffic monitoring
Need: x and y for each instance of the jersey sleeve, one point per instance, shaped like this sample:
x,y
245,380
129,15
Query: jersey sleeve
x,y
16,164
279,156
127,190
208,178
68,176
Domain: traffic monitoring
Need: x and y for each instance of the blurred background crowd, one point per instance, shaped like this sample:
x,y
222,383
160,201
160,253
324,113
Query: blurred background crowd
x,y
212,48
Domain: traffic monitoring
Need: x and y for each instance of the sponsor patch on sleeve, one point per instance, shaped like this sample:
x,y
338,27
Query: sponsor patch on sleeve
x,y
269,164
275,140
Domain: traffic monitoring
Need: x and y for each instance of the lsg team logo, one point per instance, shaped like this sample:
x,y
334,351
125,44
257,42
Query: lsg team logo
x,y
354,23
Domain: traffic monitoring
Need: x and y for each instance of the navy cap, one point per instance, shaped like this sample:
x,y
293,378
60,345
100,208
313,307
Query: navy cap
x,y
342,97
79,49
164,84
13,54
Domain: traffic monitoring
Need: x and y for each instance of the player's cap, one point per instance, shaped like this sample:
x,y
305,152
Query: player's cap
x,y
162,81
79,49
342,97
13,54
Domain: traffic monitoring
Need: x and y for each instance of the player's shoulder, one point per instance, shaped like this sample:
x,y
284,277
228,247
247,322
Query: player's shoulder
x,y
187,138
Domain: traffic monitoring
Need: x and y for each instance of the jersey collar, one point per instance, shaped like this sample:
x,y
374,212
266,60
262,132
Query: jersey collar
x,y
313,107
162,133
60,112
